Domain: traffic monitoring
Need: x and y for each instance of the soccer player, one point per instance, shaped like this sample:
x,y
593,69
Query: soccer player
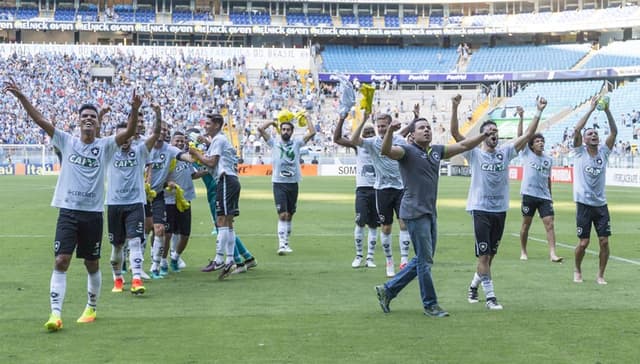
x,y
158,164
388,189
365,194
222,160
419,163
590,167
536,191
79,195
488,199
125,205
285,156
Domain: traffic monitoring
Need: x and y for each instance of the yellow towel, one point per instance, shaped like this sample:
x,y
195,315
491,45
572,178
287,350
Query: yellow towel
x,y
367,101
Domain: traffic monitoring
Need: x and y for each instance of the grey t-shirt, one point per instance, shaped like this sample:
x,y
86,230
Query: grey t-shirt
x,y
159,160
489,187
536,170
228,158
125,176
365,171
80,185
420,172
387,170
590,175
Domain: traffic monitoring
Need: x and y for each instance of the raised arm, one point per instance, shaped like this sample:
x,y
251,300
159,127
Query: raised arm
x,y
520,113
613,129
466,144
132,123
311,131
262,129
455,128
521,141
391,151
11,87
577,131
356,138
157,127
337,134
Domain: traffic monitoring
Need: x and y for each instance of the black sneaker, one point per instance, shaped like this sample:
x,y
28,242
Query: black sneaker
x,y
435,311
226,270
472,295
383,298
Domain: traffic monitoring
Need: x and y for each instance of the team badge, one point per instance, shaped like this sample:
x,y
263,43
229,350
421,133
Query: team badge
x,y
545,163
162,157
132,154
435,156
95,151
525,209
483,246
500,156
56,246
599,161
579,230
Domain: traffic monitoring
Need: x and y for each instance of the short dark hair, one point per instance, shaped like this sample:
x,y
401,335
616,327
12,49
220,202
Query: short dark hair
x,y
178,133
534,137
288,123
87,106
412,125
386,117
216,118
487,122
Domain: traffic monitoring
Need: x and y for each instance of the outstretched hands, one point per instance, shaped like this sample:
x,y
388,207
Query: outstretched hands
x,y
542,103
11,87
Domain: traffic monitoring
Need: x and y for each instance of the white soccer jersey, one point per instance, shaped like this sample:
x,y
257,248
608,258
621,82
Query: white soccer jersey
x,y
489,187
387,170
365,171
159,160
125,176
181,175
285,157
590,175
80,185
228,162
536,170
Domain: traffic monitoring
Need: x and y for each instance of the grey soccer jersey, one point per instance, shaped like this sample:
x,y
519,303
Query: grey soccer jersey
x,y
536,171
590,175
285,158
181,175
489,188
228,162
420,171
80,185
386,169
159,160
125,176
365,171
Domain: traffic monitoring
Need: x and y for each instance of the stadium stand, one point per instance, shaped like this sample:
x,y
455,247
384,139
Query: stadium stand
x,y
616,54
527,58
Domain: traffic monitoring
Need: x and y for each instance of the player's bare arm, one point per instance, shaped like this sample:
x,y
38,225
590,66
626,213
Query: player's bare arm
x,y
11,87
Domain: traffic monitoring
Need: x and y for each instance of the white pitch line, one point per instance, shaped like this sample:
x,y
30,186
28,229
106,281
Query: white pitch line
x,y
592,252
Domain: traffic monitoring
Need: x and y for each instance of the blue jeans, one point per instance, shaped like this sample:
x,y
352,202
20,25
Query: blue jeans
x,y
423,231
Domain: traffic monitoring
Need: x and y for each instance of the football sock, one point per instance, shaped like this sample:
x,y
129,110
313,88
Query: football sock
x,y
405,245
475,281
58,288
94,282
358,235
282,232
487,286
371,249
117,256
135,257
385,239
156,253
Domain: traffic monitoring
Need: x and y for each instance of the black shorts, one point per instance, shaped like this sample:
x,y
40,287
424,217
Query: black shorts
x,y
227,196
599,216
366,213
158,211
125,221
530,204
178,222
387,202
285,196
79,228
488,228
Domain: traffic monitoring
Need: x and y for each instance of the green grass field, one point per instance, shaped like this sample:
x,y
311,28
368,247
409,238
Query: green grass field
x,y
311,306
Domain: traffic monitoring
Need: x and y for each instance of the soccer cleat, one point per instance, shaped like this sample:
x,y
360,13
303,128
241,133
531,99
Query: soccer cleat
x,y
144,275
601,281
472,295
54,323
383,299
402,265
357,261
164,270
557,259
282,250
288,249
524,257
492,304
118,283
240,268
251,263
577,277
156,275
390,269
370,263
137,288
88,315
181,263
212,266
226,270
435,311
175,266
